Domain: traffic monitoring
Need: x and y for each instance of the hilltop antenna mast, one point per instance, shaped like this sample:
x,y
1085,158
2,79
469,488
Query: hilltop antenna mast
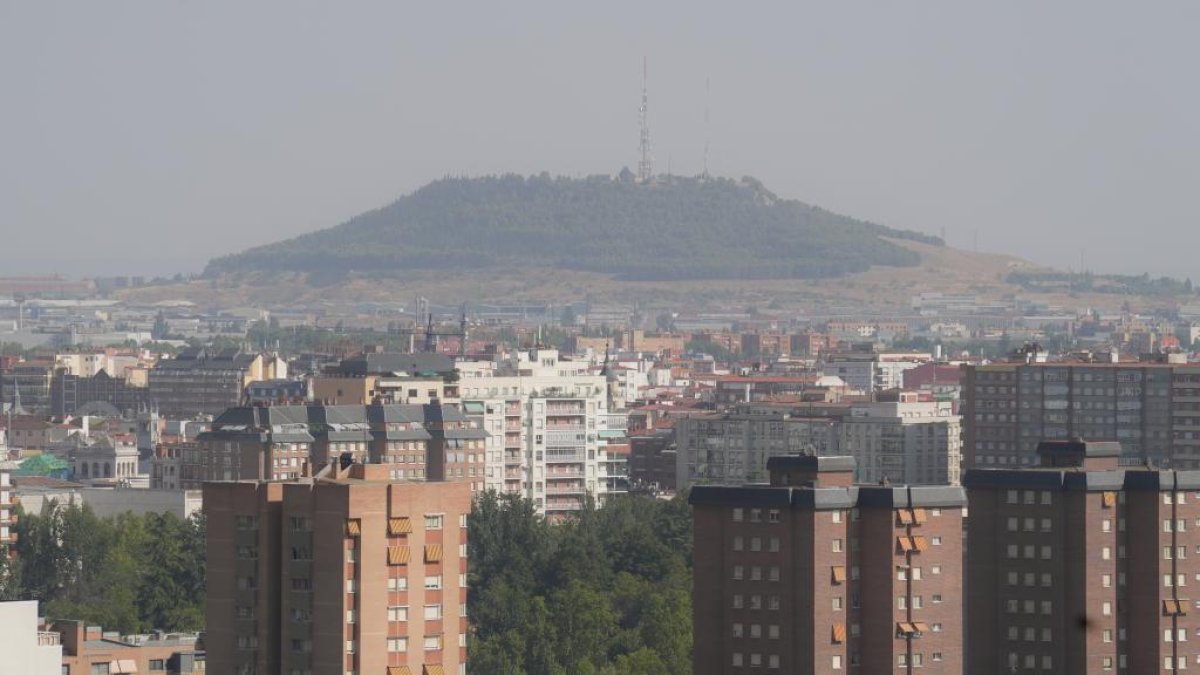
x,y
707,131
646,163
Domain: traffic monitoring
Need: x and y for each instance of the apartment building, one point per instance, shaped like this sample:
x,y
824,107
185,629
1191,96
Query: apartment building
x,y
202,382
25,386
25,647
652,458
906,440
433,441
873,371
346,572
734,445
812,574
545,416
96,394
380,377
88,649
1081,566
1151,409
8,499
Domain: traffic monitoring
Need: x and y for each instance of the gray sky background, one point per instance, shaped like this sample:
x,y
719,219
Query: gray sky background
x,y
146,137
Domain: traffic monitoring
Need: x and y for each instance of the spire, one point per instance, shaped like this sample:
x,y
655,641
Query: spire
x,y
16,408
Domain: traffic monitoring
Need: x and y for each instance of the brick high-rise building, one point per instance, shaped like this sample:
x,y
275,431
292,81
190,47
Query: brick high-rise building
x,y
812,574
433,441
1151,408
345,572
1080,566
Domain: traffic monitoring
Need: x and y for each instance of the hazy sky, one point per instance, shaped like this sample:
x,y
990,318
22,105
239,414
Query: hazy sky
x,y
146,137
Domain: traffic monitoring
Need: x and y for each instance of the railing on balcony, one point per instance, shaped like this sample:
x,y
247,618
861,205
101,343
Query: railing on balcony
x,y
572,410
48,639
574,488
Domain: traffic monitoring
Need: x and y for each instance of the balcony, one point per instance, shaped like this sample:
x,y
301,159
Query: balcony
x,y
48,639
573,488
572,437
568,410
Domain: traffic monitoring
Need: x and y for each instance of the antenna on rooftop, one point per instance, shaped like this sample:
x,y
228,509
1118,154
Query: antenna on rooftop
x,y
646,163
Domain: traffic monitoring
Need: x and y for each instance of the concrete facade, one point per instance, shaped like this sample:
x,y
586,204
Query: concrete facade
x,y
25,649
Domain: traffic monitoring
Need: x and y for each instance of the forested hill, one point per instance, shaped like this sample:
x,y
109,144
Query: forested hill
x,y
676,228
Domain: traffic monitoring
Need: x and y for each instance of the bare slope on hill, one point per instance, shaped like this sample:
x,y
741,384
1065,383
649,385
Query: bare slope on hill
x,y
879,289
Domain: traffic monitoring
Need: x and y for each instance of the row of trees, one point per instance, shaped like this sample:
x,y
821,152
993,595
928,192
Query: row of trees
x,y
127,573
607,593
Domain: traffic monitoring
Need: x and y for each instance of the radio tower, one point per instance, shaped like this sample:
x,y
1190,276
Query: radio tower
x,y
646,163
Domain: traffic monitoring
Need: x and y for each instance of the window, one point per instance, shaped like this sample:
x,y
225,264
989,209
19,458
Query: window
x,y
737,544
736,630
433,583
737,659
433,521
158,664
773,544
397,644
738,572
756,515
433,612
755,543
398,613
398,584
350,617
433,642
737,515
836,663
773,516
836,516
837,545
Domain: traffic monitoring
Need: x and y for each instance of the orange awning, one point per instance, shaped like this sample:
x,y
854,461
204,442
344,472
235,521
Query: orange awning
x,y
398,555
400,526
433,553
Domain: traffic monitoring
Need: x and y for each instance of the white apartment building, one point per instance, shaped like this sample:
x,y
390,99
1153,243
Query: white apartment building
x,y
908,441
24,650
7,500
874,371
544,417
